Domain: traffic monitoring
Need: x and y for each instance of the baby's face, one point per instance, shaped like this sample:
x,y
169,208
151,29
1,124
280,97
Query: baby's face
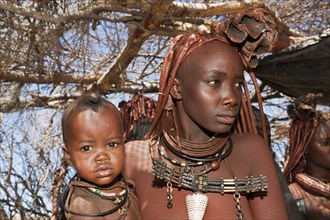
x,y
96,145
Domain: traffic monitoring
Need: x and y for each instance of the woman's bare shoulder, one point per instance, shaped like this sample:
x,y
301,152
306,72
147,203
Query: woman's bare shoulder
x,y
250,142
247,136
139,145
137,157
251,150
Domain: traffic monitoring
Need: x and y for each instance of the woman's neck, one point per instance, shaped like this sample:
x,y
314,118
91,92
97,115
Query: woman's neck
x,y
182,147
185,137
186,128
318,172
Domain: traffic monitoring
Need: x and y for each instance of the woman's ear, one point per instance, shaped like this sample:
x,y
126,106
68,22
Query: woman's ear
x,y
66,156
175,90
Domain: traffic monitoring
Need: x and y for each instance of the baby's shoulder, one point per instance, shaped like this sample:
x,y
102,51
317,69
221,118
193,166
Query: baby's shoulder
x,y
80,201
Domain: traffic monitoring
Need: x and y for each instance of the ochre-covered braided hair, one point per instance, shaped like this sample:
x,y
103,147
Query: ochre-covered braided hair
x,y
305,119
138,108
251,33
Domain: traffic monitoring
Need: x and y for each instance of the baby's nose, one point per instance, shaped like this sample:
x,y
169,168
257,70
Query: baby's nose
x,y
102,156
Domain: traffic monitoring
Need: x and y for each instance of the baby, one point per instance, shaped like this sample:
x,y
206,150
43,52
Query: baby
x,y
93,135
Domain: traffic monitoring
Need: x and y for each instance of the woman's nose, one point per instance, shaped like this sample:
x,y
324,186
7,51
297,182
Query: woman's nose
x,y
229,97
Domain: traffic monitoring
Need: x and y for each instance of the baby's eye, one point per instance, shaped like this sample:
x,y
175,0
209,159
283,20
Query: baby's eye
x,y
113,144
86,148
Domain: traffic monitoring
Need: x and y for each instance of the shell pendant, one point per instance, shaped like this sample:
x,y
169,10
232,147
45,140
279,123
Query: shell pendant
x,y
196,205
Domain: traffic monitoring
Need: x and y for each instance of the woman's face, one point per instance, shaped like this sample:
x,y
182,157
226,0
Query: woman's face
x,y
209,84
318,151
96,145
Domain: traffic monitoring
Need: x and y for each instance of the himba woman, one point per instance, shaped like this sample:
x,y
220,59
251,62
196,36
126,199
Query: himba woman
x,y
203,158
308,166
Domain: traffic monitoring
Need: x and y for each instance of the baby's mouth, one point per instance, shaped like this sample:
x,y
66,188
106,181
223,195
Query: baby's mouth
x,y
103,171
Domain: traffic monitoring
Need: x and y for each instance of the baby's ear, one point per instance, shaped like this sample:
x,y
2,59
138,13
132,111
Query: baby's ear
x,y
175,90
66,156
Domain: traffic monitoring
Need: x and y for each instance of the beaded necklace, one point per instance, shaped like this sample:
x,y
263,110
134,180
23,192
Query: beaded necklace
x,y
181,175
212,162
121,199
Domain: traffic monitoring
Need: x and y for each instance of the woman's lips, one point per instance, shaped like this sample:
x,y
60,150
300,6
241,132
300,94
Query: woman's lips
x,y
103,171
226,119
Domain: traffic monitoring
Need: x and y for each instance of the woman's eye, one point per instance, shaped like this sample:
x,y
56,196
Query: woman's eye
x,y
86,148
238,84
325,143
113,144
214,82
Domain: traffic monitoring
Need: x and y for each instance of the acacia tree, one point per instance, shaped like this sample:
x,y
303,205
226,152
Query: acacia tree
x,y
52,51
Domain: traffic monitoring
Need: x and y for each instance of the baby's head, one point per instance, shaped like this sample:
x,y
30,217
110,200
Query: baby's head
x,y
93,136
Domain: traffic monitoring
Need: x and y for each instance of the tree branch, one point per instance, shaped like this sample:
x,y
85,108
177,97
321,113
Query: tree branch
x,y
136,39
91,9
183,9
55,78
